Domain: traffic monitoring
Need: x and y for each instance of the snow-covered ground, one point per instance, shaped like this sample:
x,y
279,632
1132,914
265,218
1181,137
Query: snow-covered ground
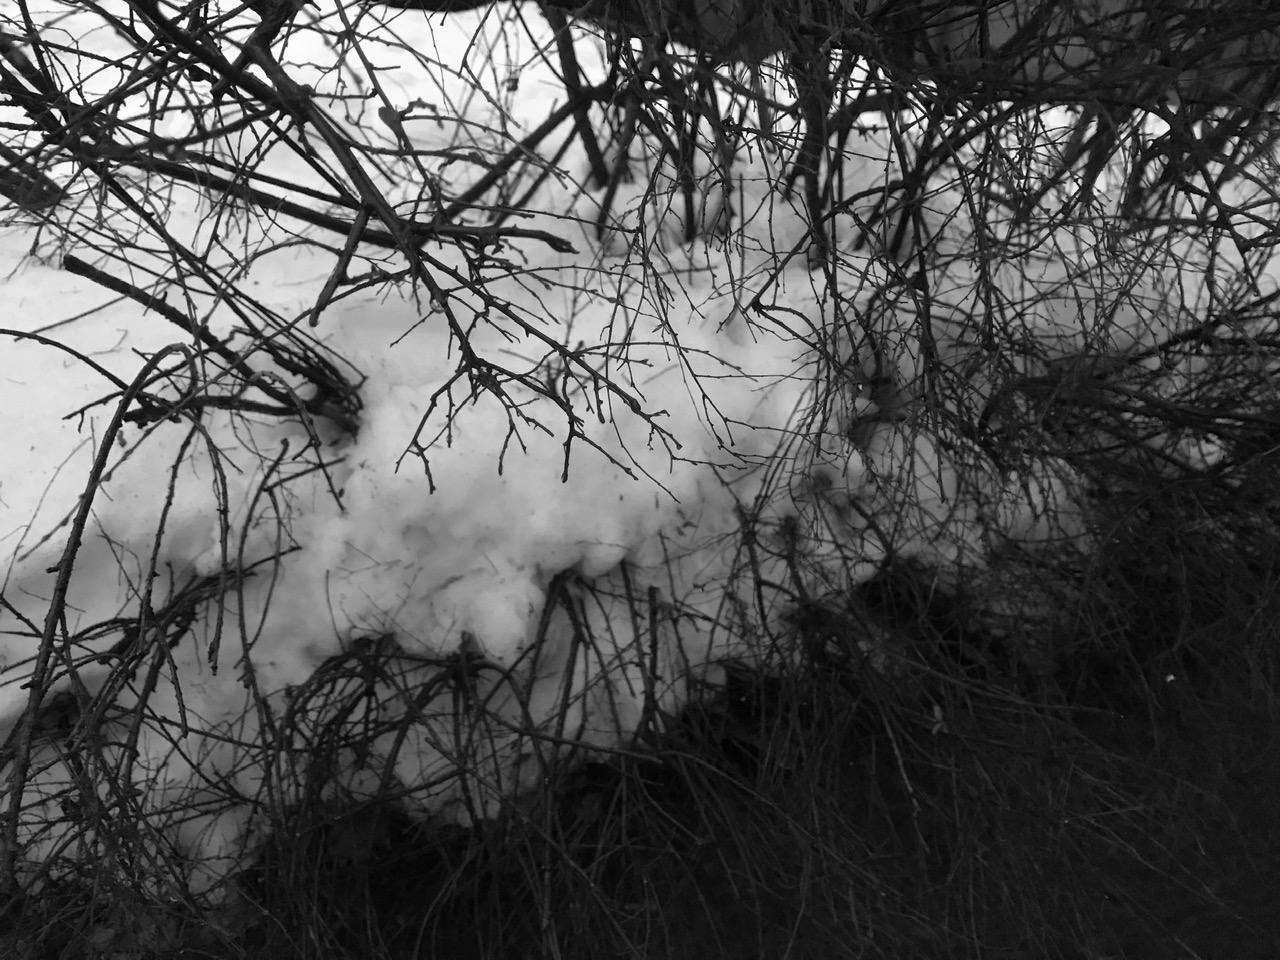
x,y
593,583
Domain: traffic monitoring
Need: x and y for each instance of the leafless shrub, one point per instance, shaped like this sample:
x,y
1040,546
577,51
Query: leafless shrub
x,y
1014,296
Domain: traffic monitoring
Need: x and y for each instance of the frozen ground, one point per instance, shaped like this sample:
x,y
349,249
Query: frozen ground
x,y
447,535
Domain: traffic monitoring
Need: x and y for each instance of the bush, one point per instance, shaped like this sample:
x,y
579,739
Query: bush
x,y
914,596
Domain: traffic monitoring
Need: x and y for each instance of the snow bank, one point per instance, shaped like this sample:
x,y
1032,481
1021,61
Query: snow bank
x,y
590,592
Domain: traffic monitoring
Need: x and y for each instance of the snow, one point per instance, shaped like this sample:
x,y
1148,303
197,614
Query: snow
x,y
464,546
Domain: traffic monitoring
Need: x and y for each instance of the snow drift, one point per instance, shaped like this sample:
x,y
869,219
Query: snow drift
x,y
265,609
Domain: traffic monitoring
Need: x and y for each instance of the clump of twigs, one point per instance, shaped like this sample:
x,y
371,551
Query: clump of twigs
x,y
886,760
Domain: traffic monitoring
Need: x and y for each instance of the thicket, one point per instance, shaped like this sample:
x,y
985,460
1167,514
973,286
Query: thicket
x,y
1063,752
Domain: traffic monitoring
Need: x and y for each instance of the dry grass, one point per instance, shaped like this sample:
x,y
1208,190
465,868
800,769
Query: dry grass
x,y
957,805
